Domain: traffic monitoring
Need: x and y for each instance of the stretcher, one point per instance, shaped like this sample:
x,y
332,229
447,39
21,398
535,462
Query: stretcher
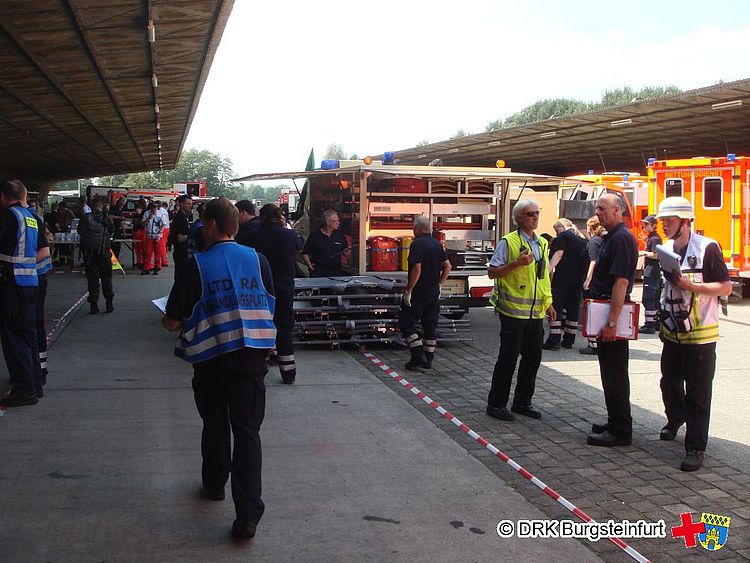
x,y
361,309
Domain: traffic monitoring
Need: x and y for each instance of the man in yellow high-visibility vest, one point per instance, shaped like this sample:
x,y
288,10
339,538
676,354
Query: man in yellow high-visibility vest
x,y
521,297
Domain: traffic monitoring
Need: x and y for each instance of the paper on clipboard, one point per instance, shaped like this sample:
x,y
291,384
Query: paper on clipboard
x,y
596,314
668,260
161,303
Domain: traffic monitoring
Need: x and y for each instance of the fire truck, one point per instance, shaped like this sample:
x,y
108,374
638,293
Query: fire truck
x,y
288,200
719,189
376,204
577,197
195,188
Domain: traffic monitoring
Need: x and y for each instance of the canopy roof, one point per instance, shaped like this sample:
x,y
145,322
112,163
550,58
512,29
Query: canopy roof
x,y
99,88
407,172
708,121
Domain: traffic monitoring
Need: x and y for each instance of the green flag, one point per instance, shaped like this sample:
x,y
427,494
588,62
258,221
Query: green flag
x,y
303,195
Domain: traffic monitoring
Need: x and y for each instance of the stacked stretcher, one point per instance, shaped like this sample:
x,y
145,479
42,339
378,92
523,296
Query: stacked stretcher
x,y
360,309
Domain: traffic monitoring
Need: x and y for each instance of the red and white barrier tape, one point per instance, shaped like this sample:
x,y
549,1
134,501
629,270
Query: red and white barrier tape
x,y
540,484
67,313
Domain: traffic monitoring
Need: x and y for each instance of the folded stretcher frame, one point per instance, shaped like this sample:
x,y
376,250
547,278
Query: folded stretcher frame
x,y
361,309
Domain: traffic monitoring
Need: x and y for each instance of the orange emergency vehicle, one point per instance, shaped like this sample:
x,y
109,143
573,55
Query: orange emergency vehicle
x,y
632,188
719,189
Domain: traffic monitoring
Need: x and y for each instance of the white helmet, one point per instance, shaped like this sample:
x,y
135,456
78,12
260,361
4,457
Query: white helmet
x,y
676,207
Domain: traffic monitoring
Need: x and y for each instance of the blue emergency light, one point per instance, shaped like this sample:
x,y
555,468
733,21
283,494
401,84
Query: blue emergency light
x,y
651,161
329,164
731,157
388,158
591,172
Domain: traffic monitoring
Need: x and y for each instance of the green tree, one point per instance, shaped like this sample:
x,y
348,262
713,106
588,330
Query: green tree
x,y
539,111
560,107
194,164
335,152
626,95
423,143
460,133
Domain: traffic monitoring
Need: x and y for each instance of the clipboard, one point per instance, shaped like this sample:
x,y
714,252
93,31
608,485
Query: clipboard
x,y
668,260
596,312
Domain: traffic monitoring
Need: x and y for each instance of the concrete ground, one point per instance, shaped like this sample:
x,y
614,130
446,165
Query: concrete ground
x,y
107,466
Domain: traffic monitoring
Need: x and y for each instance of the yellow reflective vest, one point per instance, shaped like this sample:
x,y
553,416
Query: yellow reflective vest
x,y
522,294
703,310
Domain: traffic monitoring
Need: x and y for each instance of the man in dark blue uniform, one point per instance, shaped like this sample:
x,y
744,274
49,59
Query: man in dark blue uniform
x,y
18,286
178,233
223,307
249,221
324,248
651,275
612,280
95,229
279,245
43,266
429,267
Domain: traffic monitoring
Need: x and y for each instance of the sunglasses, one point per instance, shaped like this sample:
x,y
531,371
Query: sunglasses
x,y
532,214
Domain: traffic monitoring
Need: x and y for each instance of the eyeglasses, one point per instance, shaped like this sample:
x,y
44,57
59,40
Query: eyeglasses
x,y
532,214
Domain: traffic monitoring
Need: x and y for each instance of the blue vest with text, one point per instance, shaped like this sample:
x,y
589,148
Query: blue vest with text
x,y
234,311
43,265
23,259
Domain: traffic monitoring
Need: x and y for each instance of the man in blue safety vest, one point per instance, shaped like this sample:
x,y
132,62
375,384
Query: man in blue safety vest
x,y
223,307
43,267
18,286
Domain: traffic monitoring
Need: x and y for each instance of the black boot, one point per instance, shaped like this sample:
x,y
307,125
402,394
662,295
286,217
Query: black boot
x,y
568,340
428,362
418,358
94,308
552,343
110,306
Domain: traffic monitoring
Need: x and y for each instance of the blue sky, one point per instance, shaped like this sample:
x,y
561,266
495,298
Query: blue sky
x,y
386,75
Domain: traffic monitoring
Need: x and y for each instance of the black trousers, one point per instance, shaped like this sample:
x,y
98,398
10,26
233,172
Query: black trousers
x,y
613,366
230,394
99,268
41,332
428,314
283,318
522,337
180,259
687,374
18,336
650,299
566,294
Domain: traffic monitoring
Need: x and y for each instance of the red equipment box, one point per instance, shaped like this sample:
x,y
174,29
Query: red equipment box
x,y
383,254
409,186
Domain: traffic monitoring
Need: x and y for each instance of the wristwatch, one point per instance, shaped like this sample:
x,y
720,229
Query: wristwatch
x,y
611,324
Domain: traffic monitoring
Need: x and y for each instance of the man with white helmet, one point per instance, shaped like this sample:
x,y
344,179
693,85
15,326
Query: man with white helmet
x,y
690,328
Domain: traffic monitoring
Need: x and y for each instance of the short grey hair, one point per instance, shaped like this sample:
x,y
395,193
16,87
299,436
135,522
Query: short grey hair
x,y
328,213
521,206
422,224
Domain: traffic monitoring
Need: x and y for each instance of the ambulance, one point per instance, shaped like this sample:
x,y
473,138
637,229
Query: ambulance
x,y
719,189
